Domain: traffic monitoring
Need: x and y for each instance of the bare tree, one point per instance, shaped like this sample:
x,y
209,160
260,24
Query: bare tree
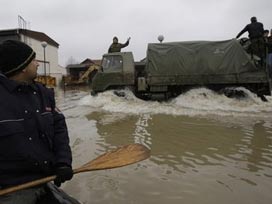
x,y
71,60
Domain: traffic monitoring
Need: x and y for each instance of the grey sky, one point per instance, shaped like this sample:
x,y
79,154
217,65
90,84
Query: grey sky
x,y
84,28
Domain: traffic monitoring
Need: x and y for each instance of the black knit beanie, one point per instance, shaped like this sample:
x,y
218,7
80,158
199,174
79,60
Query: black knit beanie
x,y
14,56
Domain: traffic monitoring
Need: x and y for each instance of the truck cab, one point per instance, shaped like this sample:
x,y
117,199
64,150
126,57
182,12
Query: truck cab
x,y
117,72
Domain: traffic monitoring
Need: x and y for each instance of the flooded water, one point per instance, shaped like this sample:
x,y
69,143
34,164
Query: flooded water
x,y
205,148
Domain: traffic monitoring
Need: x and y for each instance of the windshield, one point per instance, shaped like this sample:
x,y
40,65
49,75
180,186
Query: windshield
x,y
112,63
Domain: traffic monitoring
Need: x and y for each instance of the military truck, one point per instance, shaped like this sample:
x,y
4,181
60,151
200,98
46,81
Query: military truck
x,y
170,69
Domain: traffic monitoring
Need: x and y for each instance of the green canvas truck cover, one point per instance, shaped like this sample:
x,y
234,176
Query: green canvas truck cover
x,y
195,58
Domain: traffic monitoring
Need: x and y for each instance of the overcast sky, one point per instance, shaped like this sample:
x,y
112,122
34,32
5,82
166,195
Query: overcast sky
x,y
85,28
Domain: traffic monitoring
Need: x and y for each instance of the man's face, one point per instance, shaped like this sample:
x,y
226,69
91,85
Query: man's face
x,y
115,40
31,70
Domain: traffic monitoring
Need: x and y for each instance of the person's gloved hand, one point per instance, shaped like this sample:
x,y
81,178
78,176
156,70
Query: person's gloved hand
x,y
63,174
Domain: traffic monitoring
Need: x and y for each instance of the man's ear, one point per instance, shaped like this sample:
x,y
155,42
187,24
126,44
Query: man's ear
x,y
24,70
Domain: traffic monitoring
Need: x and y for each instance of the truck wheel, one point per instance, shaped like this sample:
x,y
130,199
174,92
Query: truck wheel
x,y
119,93
262,97
93,93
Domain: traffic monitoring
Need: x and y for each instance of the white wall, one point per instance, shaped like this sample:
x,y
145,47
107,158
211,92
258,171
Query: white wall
x,y
51,57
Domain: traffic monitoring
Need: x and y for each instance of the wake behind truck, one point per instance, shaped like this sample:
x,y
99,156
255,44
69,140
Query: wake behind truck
x,y
170,69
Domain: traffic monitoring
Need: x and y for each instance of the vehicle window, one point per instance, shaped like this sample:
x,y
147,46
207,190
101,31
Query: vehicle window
x,y
112,63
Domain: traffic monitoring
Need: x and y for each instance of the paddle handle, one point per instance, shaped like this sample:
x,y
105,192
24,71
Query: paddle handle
x,y
35,183
27,185
40,181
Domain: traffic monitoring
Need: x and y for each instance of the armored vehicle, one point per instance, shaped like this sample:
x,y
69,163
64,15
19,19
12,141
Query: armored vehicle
x,y
170,69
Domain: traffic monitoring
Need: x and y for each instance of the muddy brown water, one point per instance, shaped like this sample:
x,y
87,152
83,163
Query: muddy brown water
x,y
205,148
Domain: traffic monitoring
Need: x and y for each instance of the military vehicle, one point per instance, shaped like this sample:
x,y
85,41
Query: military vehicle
x,y
170,69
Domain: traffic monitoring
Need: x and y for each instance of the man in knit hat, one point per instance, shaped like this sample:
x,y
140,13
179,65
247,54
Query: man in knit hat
x,y
34,139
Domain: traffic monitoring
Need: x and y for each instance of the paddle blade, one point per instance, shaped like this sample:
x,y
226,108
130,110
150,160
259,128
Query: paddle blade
x,y
121,156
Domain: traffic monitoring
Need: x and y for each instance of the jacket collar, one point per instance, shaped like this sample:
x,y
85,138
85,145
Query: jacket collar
x,y
12,85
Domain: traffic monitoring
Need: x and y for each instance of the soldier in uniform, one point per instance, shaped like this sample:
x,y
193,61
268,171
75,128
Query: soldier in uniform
x,y
255,33
34,139
116,47
269,49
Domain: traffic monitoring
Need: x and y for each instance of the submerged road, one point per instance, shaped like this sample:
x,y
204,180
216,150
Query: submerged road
x,y
205,148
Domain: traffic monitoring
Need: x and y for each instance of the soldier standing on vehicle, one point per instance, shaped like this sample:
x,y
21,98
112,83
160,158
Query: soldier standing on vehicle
x,y
255,33
265,36
116,47
269,46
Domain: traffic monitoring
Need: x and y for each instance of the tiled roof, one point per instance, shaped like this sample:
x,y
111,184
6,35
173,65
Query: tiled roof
x,y
90,61
87,61
84,64
77,66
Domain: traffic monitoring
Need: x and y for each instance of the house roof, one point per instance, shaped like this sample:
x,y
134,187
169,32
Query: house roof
x,y
87,61
84,64
90,61
77,66
30,33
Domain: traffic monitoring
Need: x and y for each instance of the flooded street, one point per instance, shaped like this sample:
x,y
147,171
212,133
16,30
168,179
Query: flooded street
x,y
205,148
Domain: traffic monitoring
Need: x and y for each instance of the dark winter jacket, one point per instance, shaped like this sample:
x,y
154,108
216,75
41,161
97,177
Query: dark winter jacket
x,y
255,30
33,133
116,47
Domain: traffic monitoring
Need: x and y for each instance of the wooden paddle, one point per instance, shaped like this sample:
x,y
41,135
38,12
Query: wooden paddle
x,y
121,156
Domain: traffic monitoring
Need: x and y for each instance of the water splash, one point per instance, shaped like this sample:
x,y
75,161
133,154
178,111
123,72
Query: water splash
x,y
195,102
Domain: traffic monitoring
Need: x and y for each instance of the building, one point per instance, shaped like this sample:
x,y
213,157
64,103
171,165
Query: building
x,y
48,56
